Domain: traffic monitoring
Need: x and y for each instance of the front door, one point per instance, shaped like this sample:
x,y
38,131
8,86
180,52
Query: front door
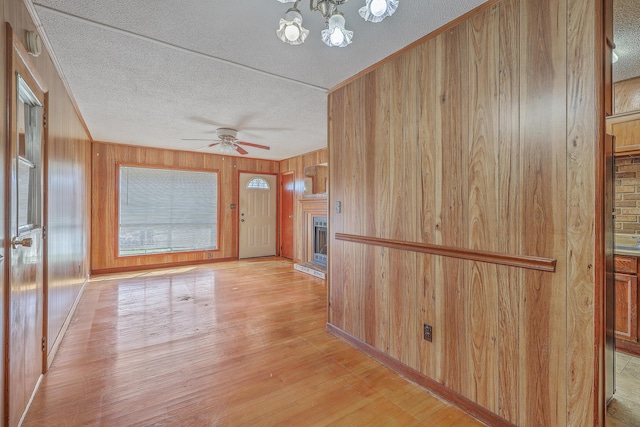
x,y
257,215
27,112
286,215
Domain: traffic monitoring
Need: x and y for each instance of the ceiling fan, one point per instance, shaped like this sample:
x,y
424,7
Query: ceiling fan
x,y
228,141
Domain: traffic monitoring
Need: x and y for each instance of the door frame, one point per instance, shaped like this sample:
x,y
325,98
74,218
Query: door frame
x,y
237,217
281,217
19,61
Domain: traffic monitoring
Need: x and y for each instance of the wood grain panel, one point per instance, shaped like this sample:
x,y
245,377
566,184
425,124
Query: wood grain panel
x,y
509,214
336,223
543,107
374,320
506,126
626,96
483,206
426,199
412,207
4,228
104,202
453,80
585,122
351,281
397,297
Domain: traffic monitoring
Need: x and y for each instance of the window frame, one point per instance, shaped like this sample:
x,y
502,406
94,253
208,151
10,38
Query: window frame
x,y
116,239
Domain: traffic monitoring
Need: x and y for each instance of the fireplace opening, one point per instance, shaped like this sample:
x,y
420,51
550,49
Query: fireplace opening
x,y
320,241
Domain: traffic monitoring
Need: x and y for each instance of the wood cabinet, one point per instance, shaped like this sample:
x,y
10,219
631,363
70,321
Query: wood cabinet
x,y
627,135
627,96
626,307
626,291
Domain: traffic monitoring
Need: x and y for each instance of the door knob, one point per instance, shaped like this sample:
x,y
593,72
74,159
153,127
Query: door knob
x,y
26,242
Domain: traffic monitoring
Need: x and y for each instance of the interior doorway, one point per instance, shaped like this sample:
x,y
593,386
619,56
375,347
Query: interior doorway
x,y
25,247
287,216
257,222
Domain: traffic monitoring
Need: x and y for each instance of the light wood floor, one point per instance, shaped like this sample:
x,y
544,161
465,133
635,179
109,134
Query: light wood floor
x,y
232,344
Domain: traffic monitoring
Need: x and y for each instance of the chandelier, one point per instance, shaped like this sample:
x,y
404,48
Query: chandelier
x,y
292,32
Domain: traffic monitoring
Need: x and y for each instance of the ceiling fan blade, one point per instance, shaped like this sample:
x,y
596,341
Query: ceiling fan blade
x,y
207,146
199,139
206,121
251,144
241,150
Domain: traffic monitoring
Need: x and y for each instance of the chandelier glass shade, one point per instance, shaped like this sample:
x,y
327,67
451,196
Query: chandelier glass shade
x,y
292,32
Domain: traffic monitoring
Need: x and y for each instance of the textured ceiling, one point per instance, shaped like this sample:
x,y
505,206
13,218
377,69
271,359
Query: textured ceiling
x,y
151,73
155,72
626,28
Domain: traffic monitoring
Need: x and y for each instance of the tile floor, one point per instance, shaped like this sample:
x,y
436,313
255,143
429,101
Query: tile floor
x,y
624,410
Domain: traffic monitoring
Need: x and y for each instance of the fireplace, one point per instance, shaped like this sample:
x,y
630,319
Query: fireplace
x,y
320,240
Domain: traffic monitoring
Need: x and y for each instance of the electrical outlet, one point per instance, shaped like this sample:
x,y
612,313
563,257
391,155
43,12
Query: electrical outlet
x,y
209,255
428,333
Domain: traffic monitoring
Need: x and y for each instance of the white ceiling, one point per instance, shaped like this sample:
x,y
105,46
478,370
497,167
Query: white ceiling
x,y
154,72
151,73
626,28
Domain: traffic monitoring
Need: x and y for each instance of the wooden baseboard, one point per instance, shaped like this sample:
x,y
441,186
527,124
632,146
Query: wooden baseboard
x,y
465,404
628,347
154,266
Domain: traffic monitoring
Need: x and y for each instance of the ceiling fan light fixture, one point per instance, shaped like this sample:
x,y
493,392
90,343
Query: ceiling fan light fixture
x,y
377,10
227,147
336,35
291,30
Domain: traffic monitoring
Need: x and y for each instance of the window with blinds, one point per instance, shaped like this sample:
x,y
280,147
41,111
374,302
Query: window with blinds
x,y
166,210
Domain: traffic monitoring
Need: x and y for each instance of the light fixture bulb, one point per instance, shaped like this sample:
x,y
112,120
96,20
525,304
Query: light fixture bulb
x,y
377,10
291,32
336,35
378,7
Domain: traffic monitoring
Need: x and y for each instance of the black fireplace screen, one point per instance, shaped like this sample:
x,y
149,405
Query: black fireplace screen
x,y
320,241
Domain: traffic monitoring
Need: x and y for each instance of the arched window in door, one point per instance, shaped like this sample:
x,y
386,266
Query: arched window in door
x,y
258,183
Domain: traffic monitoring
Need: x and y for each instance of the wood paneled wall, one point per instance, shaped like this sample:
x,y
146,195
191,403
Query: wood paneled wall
x,y
68,184
104,186
482,137
297,165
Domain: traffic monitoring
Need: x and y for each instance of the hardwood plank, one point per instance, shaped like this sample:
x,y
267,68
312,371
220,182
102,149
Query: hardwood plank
x,y
382,206
372,312
426,199
397,294
237,343
509,214
483,203
412,203
585,127
336,223
543,190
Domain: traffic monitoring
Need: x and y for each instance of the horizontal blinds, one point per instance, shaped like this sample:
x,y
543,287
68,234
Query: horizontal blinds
x,y
167,210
